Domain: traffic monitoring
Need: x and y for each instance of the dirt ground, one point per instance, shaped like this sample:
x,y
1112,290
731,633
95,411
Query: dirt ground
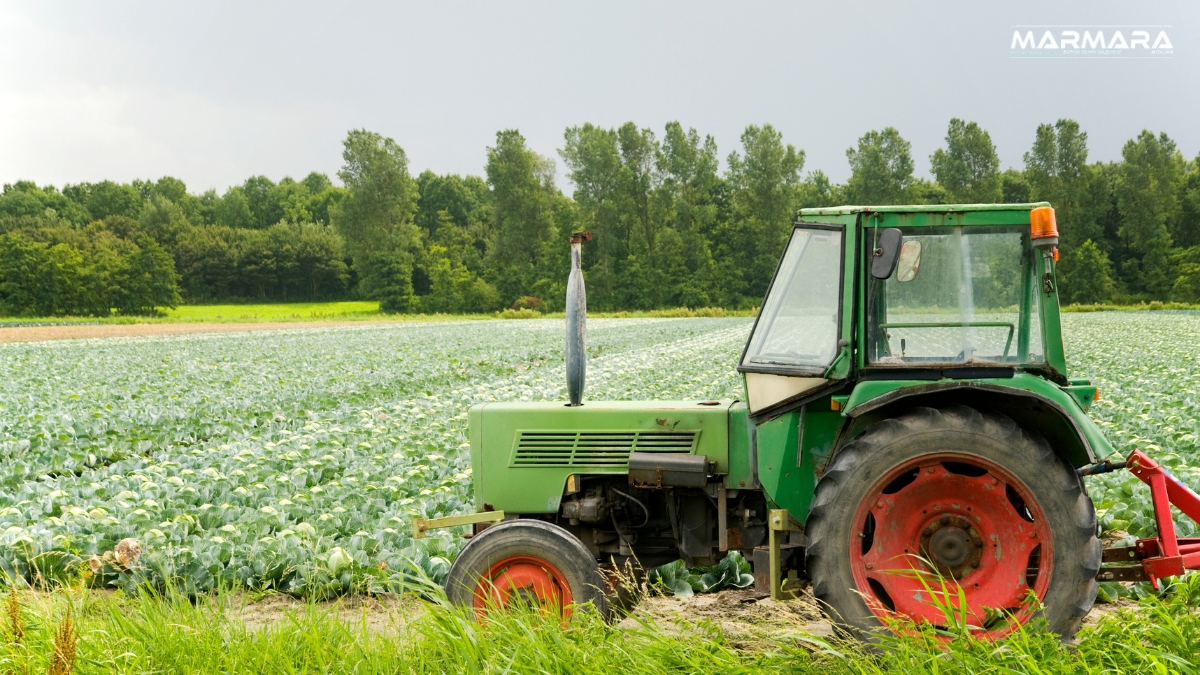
x,y
741,615
73,332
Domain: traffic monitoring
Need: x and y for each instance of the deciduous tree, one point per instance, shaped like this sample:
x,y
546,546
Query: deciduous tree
x,y
881,168
968,167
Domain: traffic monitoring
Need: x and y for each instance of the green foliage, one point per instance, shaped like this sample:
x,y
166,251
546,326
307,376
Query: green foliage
x,y
763,181
57,272
1014,188
37,279
106,199
246,459
26,199
375,218
1187,285
671,230
1145,365
1147,197
287,261
390,281
163,219
652,207
234,209
146,281
817,191
1185,233
881,168
921,191
1055,167
968,168
454,289
232,633
525,203
1089,277
675,578
461,201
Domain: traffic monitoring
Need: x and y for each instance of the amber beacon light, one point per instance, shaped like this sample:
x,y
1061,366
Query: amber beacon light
x,y
1043,229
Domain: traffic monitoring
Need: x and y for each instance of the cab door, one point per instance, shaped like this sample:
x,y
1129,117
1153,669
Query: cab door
x,y
800,344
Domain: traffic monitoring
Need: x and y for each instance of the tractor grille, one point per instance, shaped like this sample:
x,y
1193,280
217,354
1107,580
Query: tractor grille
x,y
595,448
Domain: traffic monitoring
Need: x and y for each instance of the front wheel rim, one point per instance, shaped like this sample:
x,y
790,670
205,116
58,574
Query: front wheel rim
x,y
952,538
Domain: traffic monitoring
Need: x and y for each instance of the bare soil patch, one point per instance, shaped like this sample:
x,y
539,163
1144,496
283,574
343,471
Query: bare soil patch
x,y
68,332
741,615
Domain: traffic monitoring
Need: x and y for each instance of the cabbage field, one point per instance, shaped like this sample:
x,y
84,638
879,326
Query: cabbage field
x,y
291,459
296,459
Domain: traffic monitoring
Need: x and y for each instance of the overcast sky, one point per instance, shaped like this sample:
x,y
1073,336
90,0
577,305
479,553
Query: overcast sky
x,y
215,92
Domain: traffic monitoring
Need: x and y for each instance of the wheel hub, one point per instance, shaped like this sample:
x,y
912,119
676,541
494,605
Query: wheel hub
x,y
523,580
953,546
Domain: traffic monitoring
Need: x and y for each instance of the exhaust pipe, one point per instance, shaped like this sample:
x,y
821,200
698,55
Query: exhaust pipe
x,y
576,322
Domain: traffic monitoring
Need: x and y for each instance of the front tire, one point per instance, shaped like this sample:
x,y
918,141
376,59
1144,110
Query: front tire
x,y
957,497
526,561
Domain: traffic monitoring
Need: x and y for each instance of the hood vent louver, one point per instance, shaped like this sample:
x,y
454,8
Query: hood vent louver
x,y
596,448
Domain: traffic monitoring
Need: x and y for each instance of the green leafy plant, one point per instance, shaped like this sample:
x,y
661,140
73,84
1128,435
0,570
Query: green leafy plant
x,y
676,579
292,461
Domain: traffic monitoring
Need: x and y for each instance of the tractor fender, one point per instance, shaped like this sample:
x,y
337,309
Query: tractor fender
x,y
1033,403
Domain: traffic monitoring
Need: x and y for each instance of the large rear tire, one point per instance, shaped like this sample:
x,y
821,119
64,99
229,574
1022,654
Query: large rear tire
x,y
956,497
529,562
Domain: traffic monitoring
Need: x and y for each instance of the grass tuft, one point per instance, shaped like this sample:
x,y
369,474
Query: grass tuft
x,y
66,639
16,618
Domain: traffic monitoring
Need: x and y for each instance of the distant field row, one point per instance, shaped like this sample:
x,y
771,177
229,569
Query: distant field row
x,y
353,310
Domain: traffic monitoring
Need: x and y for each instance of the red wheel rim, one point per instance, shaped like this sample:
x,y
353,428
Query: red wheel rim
x,y
964,518
523,579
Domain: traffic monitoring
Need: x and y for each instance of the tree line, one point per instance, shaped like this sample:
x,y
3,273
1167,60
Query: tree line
x,y
673,225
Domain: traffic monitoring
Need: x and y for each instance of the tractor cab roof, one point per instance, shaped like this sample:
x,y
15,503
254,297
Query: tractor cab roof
x,y
931,214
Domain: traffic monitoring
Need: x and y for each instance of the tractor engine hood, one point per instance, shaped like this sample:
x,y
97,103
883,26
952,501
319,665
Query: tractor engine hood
x,y
523,453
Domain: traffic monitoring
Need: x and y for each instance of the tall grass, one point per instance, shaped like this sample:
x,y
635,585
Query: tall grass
x,y
172,634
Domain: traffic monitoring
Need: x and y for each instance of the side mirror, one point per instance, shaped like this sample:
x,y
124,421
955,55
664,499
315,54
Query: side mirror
x,y
886,253
910,261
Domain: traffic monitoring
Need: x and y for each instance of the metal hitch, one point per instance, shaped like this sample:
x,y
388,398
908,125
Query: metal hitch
x,y
1166,555
422,525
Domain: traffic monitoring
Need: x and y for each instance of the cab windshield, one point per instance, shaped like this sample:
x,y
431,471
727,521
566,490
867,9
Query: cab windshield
x,y
797,329
961,295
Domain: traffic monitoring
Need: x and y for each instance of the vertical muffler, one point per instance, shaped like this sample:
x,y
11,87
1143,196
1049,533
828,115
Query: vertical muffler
x,y
576,321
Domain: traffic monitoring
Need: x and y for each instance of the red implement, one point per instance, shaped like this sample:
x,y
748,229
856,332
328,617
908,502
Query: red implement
x,y
1165,555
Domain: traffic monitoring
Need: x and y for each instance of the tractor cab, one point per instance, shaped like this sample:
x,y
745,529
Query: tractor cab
x,y
906,293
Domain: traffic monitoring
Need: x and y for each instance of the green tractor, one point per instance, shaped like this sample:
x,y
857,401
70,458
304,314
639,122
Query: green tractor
x,y
909,433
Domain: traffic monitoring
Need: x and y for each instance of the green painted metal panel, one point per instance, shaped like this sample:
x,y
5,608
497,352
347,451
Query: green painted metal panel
x,y
924,208
810,433
741,474
1065,398
1056,354
820,432
475,436
777,445
524,452
1084,394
